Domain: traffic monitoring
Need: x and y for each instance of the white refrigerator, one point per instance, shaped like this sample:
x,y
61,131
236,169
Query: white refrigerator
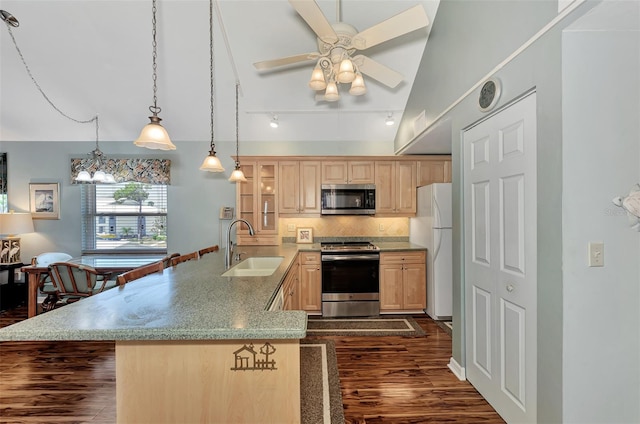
x,y
431,228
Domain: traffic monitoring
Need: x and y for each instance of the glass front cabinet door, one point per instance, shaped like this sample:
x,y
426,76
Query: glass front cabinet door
x,y
257,203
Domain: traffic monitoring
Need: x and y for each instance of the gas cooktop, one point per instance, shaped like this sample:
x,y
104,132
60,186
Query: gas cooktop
x,y
348,246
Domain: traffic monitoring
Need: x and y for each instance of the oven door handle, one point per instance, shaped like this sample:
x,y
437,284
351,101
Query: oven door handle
x,y
365,257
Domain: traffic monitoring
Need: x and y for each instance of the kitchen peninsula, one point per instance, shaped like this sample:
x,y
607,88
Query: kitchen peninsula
x,y
191,345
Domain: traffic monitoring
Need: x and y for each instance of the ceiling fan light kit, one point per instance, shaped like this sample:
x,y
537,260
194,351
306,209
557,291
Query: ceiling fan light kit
x,y
338,42
153,135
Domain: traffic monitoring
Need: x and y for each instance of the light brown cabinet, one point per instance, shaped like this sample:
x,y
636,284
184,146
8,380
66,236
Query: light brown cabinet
x,y
291,288
310,282
396,184
299,187
257,202
434,171
403,281
348,172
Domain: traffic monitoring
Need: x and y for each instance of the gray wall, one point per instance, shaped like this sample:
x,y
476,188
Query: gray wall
x,y
574,380
195,196
601,160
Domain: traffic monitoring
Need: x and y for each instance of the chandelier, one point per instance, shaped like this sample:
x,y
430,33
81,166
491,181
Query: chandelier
x,y
97,161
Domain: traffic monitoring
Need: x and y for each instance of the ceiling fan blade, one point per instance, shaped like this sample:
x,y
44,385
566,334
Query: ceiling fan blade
x,y
400,24
378,71
313,16
290,60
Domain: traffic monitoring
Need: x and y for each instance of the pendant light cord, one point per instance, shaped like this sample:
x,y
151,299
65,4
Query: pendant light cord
x,y
237,131
154,109
211,70
35,82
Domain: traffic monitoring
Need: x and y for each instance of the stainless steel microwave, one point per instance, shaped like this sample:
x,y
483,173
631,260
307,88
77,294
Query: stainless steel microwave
x,y
348,199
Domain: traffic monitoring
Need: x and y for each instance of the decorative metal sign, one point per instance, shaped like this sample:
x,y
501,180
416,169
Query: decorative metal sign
x,y
247,359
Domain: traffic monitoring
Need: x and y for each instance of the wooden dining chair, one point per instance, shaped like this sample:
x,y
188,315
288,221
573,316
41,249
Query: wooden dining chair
x,y
139,272
74,282
184,258
45,285
166,261
208,250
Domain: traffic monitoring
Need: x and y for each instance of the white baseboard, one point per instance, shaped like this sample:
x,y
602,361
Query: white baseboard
x,y
456,369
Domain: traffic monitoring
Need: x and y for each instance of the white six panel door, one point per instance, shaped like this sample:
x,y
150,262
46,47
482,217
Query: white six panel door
x,y
500,259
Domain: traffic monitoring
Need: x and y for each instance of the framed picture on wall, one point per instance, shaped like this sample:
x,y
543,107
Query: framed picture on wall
x,y
304,235
44,200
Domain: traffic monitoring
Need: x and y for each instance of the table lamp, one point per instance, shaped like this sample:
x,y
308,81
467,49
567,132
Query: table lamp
x,y
11,224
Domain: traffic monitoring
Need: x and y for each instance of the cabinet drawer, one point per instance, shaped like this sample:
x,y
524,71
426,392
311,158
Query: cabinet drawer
x,y
247,240
414,256
309,258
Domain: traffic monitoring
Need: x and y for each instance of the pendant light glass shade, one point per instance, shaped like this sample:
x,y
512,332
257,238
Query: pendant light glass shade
x,y
357,86
211,163
317,81
237,176
154,136
331,93
84,177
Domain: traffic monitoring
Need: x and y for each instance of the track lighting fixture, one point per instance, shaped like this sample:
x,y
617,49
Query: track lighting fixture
x,y
389,121
274,122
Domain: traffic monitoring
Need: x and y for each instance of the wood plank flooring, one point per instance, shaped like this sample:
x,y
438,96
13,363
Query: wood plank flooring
x,y
400,380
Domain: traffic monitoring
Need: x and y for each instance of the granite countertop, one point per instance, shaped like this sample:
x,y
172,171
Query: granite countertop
x,y
191,301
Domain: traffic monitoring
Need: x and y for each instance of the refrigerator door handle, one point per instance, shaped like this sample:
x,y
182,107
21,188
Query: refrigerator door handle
x,y
438,242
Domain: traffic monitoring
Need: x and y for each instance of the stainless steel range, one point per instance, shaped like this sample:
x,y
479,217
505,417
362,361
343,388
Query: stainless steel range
x,y
350,279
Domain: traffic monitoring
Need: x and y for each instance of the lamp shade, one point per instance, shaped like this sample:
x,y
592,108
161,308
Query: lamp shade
x,y
237,176
317,81
16,223
212,164
357,86
154,136
345,72
331,93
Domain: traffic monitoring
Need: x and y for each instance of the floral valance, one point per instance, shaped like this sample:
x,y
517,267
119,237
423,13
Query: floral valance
x,y
149,171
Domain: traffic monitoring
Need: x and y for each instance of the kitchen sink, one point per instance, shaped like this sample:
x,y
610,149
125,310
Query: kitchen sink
x,y
259,266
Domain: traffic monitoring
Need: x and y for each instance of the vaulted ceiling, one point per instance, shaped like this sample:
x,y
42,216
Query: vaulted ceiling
x,y
94,57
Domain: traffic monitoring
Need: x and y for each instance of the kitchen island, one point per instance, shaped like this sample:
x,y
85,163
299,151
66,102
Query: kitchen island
x,y
192,345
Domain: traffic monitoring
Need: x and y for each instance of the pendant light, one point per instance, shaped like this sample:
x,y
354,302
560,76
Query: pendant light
x,y
98,159
153,135
211,163
237,175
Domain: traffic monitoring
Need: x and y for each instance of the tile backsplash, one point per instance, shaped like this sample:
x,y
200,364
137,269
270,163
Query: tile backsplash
x,y
346,226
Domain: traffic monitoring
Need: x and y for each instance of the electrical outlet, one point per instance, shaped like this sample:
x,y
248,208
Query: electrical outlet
x,y
381,227
596,254
291,227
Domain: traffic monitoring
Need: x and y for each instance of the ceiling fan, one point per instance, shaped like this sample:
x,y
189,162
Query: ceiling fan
x,y
337,43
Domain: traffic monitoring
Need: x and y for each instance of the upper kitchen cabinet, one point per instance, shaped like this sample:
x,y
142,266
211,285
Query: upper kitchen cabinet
x,y
299,187
396,184
257,202
348,172
434,170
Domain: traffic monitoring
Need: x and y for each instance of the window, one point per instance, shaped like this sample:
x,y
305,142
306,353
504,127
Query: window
x,y
124,217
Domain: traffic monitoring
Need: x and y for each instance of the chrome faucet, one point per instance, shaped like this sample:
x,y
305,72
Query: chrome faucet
x,y
229,251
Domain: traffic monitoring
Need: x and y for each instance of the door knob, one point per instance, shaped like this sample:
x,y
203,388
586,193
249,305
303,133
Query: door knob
x,y
510,288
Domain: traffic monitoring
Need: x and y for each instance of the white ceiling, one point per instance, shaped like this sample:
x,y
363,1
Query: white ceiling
x,y
94,56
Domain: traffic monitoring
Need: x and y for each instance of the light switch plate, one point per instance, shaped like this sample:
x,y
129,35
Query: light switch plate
x,y
291,227
596,254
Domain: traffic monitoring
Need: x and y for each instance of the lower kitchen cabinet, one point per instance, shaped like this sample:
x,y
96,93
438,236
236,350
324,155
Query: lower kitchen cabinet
x,y
403,281
310,282
291,288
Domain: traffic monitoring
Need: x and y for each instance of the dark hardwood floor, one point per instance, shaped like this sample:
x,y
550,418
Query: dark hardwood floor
x,y
398,380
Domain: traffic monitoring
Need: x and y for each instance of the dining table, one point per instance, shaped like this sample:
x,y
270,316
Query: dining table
x,y
103,264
